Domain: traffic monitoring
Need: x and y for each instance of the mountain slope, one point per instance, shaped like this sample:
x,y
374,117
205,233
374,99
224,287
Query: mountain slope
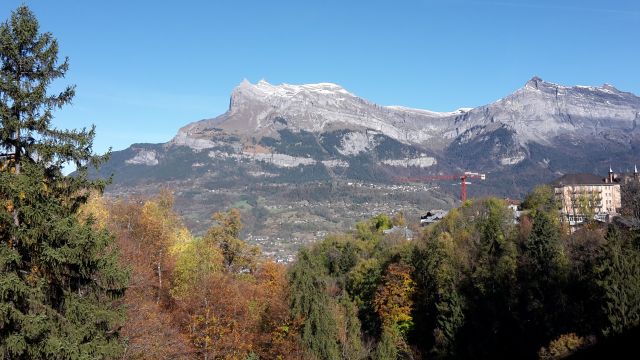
x,y
306,125
323,134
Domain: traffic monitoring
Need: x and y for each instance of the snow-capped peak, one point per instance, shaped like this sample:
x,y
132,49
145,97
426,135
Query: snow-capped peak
x,y
537,83
288,90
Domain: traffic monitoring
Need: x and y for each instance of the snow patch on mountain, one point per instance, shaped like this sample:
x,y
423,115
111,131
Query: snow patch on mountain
x,y
288,90
460,111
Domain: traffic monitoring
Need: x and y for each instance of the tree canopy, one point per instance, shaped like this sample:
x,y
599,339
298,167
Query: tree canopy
x,y
59,276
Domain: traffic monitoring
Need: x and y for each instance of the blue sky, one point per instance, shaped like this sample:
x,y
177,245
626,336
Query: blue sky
x,y
143,69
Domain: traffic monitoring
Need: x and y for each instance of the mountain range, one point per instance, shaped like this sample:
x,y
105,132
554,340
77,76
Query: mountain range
x,y
306,159
324,132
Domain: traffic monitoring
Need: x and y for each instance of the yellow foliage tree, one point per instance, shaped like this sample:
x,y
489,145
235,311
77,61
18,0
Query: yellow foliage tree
x,y
393,301
195,260
563,346
238,255
95,210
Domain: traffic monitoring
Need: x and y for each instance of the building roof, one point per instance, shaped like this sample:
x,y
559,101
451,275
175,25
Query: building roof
x,y
433,216
578,179
436,213
513,201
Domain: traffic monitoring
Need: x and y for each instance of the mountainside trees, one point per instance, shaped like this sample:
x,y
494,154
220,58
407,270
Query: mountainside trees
x,y
474,285
619,280
59,276
217,300
310,307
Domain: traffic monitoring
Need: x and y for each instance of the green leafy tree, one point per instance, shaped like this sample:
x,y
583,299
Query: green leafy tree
x,y
488,329
340,254
542,198
59,276
196,260
382,222
362,283
496,264
586,204
449,302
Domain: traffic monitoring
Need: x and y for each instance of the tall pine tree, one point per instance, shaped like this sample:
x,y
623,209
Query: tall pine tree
x,y
542,281
310,306
619,280
59,278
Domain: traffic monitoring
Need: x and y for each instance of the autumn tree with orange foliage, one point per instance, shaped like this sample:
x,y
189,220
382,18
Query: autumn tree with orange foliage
x,y
393,299
278,338
238,307
194,298
150,331
393,303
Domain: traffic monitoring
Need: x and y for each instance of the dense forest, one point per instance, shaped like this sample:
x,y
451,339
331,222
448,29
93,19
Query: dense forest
x,y
83,276
475,285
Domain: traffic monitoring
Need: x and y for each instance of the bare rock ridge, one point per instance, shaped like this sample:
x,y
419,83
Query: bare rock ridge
x,y
537,112
324,132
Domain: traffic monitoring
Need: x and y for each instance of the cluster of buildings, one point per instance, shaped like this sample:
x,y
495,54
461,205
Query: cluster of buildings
x,y
587,196
581,197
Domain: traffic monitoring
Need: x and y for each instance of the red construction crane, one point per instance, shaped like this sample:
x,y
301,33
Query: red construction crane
x,y
463,180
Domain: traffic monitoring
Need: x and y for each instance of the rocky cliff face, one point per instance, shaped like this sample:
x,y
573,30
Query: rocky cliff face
x,y
294,133
263,109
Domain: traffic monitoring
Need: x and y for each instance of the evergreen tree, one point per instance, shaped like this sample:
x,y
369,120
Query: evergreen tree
x,y
439,305
488,331
310,306
349,329
619,280
542,280
58,276
386,349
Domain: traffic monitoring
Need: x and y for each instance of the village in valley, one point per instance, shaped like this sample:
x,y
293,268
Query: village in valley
x,y
580,197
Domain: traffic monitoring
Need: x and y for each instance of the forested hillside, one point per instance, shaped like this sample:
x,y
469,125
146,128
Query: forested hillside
x,y
207,297
475,285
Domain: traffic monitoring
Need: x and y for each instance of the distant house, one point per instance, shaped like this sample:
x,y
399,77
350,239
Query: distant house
x,y
514,205
588,195
432,216
401,230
